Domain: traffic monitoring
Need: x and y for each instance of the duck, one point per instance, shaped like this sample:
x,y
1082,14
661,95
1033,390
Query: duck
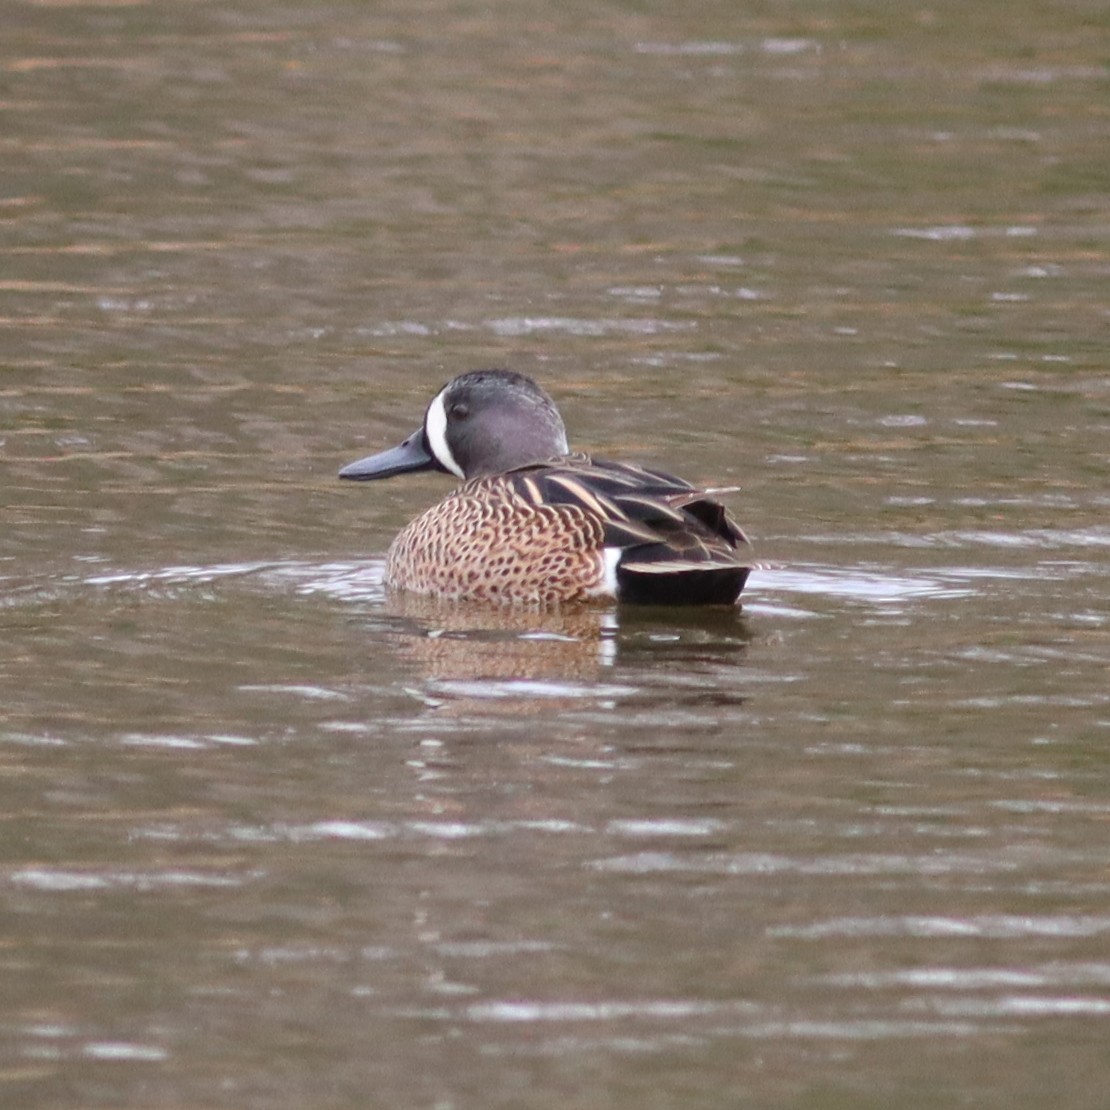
x,y
533,523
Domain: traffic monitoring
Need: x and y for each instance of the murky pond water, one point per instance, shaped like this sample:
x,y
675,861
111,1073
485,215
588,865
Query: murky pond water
x,y
271,838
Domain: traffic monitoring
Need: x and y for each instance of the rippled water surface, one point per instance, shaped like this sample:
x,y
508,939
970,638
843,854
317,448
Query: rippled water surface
x,y
274,838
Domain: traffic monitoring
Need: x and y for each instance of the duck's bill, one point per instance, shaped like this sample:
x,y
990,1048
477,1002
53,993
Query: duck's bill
x,y
406,456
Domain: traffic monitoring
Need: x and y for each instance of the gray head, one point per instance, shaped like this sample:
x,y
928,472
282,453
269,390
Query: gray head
x,y
484,422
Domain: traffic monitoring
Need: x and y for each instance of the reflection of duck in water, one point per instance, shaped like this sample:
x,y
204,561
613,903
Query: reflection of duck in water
x,y
530,660
533,523
476,642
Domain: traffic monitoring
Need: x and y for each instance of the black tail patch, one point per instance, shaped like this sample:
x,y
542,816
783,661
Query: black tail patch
x,y
711,586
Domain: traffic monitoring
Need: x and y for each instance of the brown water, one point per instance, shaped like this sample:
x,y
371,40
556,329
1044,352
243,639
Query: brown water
x,y
270,839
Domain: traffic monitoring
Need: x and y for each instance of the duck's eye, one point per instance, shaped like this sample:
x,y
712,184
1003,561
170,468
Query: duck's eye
x,y
460,410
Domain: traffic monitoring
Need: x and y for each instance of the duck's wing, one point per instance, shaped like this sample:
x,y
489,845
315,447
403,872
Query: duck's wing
x,y
677,542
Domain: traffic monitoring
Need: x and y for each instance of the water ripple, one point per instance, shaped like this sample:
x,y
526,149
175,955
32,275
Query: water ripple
x,y
874,585
994,926
61,881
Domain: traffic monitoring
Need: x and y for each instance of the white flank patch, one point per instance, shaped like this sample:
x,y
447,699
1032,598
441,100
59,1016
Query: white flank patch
x,y
607,587
435,427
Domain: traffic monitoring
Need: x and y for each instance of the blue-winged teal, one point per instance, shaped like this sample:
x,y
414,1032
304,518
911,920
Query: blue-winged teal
x,y
533,523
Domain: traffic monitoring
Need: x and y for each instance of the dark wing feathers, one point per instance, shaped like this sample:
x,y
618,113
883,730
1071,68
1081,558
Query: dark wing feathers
x,y
571,489
713,515
678,542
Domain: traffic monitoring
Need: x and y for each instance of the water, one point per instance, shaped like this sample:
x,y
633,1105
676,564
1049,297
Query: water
x,y
273,838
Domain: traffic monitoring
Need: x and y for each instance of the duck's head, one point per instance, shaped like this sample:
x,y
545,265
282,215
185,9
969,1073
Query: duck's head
x,y
484,422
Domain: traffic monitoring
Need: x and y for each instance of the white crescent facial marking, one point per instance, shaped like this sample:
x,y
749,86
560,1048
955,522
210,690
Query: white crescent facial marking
x,y
435,428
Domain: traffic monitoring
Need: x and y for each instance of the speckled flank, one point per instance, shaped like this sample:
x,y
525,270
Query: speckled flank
x,y
487,542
